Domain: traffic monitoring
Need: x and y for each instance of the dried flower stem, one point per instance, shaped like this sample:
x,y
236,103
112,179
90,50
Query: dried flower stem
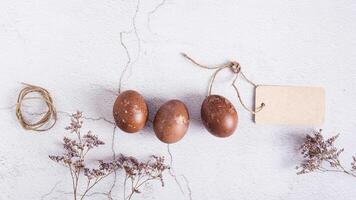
x,y
317,152
75,154
139,173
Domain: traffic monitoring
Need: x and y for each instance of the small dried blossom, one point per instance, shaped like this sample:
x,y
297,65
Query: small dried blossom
x,y
93,173
76,122
91,141
318,151
109,166
353,163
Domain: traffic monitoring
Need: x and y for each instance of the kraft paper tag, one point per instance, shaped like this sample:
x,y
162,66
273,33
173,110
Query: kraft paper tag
x,y
291,105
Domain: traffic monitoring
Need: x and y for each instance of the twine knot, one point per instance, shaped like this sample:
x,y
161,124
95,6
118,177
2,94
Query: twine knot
x,y
234,66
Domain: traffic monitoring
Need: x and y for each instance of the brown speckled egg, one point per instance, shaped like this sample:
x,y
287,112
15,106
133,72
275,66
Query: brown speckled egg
x,y
171,121
219,116
130,111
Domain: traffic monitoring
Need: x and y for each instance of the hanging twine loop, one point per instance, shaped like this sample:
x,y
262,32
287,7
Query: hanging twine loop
x,y
48,120
236,69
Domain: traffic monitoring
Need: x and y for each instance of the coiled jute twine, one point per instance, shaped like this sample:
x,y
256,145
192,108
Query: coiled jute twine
x,y
48,119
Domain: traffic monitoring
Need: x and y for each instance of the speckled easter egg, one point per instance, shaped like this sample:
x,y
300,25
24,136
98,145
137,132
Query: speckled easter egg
x,y
130,111
219,116
171,121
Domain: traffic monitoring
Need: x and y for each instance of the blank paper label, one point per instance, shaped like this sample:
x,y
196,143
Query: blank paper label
x,y
290,105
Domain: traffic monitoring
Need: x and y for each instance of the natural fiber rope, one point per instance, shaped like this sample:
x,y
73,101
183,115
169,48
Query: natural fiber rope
x,y
49,118
235,68
258,109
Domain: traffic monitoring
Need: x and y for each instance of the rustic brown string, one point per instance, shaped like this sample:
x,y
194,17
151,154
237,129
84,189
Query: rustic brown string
x,y
49,118
235,68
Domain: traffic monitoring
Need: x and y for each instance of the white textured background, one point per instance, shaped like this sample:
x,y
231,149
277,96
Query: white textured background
x,y
73,48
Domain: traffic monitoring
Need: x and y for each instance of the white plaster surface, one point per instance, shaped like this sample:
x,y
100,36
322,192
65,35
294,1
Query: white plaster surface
x,y
72,48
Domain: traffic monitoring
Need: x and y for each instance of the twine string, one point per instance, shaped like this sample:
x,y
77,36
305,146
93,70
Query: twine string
x,y
236,69
258,109
49,118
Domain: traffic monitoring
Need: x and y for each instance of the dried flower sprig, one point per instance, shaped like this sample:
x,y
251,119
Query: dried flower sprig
x,y
139,173
318,151
74,155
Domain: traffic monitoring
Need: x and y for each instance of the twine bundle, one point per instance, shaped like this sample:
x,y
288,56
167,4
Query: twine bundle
x,y
48,120
236,69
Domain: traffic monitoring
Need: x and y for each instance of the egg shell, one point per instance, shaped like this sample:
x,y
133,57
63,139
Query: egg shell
x,y
130,111
171,121
219,116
